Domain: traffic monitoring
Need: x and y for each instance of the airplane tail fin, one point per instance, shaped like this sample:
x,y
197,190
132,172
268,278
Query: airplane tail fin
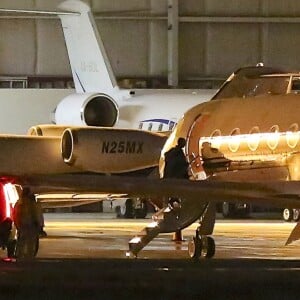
x,y
90,66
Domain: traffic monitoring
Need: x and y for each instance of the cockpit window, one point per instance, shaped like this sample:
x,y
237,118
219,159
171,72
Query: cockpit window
x,y
243,87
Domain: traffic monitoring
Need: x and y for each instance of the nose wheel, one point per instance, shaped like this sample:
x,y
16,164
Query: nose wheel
x,y
201,246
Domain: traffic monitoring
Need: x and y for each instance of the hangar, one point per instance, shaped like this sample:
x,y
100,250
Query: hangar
x,y
144,38
170,43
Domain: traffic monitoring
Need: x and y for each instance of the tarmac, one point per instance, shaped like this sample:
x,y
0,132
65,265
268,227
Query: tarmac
x,y
83,257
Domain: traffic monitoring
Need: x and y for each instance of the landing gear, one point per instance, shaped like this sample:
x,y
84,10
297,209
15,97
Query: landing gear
x,y
195,247
287,214
201,246
132,208
296,215
126,210
291,214
233,210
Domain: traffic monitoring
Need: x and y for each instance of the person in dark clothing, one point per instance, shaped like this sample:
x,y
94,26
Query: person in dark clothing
x,y
26,219
176,166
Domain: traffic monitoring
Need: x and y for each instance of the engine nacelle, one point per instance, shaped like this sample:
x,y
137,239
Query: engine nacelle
x,y
31,155
111,150
46,130
87,109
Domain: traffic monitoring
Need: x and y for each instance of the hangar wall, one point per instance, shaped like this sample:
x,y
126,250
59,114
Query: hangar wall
x,y
22,108
214,37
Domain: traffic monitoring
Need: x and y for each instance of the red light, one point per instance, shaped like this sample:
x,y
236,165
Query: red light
x,y
9,259
5,204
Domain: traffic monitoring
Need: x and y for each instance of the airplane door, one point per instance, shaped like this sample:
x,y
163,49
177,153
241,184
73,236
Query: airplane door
x,y
192,146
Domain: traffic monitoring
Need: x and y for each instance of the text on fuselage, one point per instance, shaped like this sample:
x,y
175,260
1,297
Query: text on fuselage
x,y
128,147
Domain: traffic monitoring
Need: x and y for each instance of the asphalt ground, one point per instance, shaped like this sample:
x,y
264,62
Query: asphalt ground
x,y
83,257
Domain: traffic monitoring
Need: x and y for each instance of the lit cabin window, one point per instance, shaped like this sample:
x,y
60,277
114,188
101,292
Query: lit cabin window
x,y
150,126
234,142
273,137
253,139
216,138
216,132
274,128
293,135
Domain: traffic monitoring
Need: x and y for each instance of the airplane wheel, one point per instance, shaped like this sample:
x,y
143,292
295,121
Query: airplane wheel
x,y
287,214
208,247
141,213
228,210
296,215
126,210
194,247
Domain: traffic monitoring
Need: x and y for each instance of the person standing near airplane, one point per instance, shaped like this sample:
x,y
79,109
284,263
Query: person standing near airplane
x,y
27,221
176,166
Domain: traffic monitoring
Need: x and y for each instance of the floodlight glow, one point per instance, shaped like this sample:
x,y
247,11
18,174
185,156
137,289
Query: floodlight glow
x,y
135,240
152,225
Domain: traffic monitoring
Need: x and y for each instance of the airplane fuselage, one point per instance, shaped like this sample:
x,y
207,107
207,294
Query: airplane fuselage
x,y
158,110
242,134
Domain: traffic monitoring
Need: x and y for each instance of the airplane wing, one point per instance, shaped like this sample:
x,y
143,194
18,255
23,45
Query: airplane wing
x,y
55,200
277,193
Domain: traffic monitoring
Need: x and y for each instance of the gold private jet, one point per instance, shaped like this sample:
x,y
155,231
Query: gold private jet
x,y
242,146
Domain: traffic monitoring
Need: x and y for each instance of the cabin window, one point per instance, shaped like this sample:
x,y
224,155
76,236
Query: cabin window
x,y
150,126
171,125
293,135
234,142
273,138
216,132
294,127
254,139
274,128
160,127
216,138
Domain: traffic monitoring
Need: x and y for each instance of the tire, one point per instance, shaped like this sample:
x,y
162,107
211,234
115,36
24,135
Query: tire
x,y
194,248
141,213
126,211
296,214
228,210
287,214
208,247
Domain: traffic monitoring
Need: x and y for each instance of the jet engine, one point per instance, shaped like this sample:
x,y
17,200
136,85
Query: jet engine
x,y
46,130
87,109
106,150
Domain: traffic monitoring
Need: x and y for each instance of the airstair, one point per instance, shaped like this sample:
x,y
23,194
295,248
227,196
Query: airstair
x,y
168,219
